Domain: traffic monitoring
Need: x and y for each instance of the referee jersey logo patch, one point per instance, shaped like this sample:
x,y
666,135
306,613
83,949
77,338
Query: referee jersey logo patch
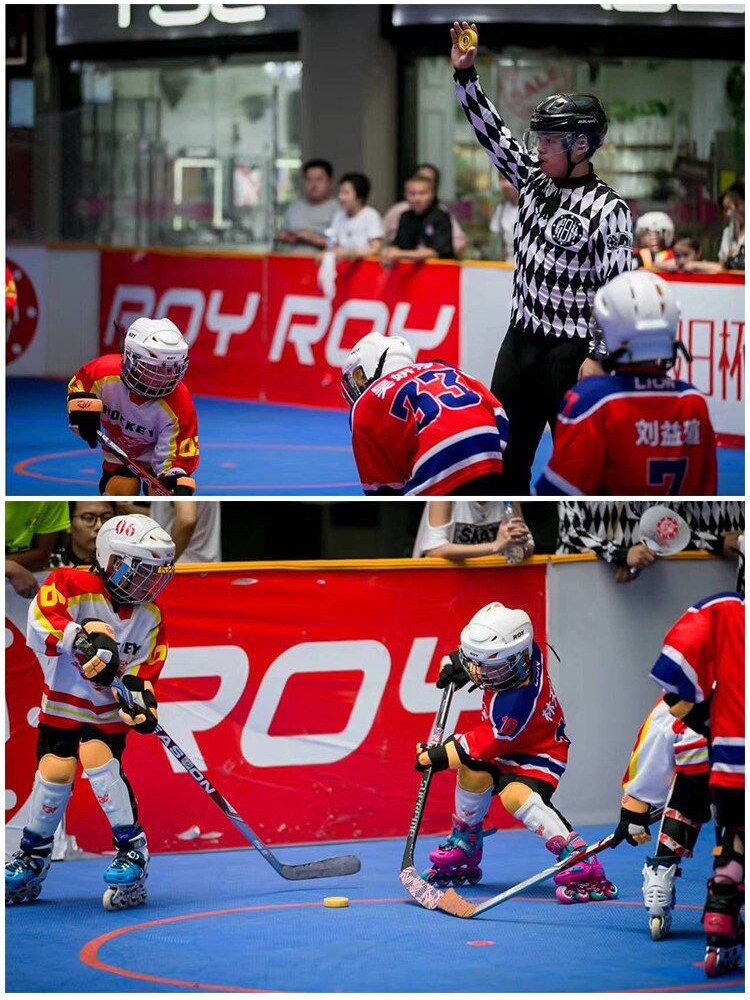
x,y
567,230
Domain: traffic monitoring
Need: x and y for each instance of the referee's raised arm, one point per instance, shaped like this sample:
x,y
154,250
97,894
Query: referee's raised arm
x,y
573,234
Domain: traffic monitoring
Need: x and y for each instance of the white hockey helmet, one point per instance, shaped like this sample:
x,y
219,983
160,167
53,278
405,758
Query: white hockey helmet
x,y
656,222
154,357
135,558
371,357
496,647
638,316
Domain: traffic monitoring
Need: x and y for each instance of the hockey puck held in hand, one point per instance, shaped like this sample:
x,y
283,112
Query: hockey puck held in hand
x,y
336,902
467,39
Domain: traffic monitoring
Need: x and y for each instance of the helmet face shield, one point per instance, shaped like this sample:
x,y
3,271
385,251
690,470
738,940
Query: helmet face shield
x,y
152,377
548,143
353,383
134,581
497,675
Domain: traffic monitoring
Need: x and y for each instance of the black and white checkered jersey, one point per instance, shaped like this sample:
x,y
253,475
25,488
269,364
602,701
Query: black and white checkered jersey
x,y
608,528
571,236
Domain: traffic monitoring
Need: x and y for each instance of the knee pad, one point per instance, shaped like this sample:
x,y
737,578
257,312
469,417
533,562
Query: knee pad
x,y
541,819
47,806
118,485
112,793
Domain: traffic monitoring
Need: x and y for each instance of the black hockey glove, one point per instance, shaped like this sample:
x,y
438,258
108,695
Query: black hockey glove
x,y
85,416
453,671
143,703
96,653
633,827
178,484
438,757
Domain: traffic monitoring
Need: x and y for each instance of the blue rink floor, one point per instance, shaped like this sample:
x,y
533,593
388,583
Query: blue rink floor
x,y
226,922
246,448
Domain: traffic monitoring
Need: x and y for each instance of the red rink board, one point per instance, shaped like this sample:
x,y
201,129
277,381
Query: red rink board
x,y
305,692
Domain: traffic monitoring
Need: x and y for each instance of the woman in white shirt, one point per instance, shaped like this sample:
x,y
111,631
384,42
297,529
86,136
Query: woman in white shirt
x,y
732,250
460,529
357,230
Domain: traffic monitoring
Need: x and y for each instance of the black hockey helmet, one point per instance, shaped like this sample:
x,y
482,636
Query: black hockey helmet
x,y
582,114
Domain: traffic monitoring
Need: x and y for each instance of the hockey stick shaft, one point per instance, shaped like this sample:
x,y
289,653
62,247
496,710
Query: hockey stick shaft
x,y
436,736
106,442
347,864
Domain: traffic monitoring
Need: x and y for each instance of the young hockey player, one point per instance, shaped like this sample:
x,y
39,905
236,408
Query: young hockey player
x,y
140,401
88,627
518,751
704,656
637,431
668,769
420,428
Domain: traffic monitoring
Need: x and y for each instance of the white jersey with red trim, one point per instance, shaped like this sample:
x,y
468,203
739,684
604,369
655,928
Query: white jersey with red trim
x,y
159,433
704,656
66,599
665,746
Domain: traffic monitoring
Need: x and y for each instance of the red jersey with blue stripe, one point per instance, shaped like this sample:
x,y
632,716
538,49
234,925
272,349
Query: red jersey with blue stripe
x,y
426,429
632,435
704,651
522,731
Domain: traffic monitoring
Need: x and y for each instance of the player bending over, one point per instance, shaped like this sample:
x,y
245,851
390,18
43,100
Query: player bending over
x,y
142,404
668,769
423,428
88,627
518,751
704,655
638,431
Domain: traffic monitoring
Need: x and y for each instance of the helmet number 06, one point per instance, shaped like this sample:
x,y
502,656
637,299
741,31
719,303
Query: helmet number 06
x,y
125,527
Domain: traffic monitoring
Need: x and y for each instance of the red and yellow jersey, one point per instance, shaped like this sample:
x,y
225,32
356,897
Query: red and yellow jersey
x,y
160,433
66,599
665,746
426,429
705,650
11,292
633,435
522,731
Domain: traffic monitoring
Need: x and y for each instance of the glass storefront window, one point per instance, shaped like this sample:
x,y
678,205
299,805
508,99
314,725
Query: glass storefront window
x,y
179,153
675,138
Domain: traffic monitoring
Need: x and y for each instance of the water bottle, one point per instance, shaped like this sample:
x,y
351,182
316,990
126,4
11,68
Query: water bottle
x,y
514,554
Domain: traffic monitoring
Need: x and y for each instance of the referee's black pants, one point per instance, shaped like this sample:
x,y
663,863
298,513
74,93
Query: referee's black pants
x,y
532,374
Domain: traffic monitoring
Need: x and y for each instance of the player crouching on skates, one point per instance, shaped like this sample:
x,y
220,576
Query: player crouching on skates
x,y
518,751
420,429
638,431
88,627
702,660
140,401
668,770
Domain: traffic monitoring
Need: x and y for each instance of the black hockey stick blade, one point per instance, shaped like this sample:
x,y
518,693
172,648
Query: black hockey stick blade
x,y
345,864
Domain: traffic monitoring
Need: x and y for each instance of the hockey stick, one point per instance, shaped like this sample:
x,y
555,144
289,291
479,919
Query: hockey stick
x,y
106,442
344,864
410,878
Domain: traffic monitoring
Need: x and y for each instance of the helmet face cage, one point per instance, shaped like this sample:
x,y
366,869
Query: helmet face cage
x,y
497,675
131,580
552,142
355,380
151,377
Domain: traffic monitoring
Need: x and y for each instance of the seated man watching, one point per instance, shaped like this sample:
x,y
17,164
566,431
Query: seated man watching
x,y
424,230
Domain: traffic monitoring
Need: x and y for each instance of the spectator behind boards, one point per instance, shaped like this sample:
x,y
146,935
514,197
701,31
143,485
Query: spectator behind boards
x,y
394,213
357,230
31,530
424,229
78,548
195,528
462,529
732,249
303,229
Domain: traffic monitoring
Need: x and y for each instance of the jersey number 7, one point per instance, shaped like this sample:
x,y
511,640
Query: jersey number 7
x,y
426,406
669,472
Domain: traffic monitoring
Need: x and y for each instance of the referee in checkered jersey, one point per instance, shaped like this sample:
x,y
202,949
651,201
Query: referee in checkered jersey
x,y
573,235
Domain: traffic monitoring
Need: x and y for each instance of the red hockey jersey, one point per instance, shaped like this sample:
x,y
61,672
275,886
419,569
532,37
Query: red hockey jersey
x,y
632,435
706,647
426,429
160,433
522,731
67,598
